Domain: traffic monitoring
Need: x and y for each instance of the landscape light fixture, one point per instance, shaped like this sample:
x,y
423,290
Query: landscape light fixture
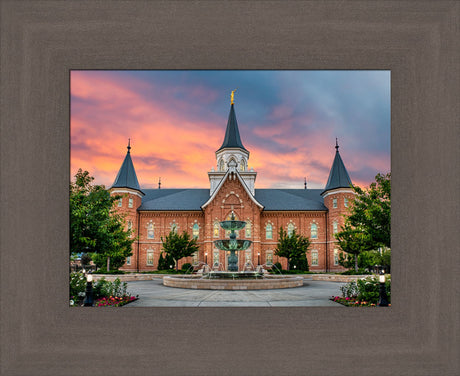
x,y
88,302
383,298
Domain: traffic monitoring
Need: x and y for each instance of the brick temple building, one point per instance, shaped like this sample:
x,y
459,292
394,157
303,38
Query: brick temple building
x,y
153,213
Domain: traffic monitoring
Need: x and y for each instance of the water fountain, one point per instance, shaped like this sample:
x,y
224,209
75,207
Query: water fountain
x,y
232,279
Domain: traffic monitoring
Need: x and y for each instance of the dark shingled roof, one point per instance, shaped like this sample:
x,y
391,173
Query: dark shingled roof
x,y
127,177
174,199
272,199
232,135
338,177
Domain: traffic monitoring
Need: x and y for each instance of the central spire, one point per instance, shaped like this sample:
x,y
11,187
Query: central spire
x,y
232,134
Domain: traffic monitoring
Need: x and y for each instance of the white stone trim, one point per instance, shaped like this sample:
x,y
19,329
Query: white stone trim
x,y
338,190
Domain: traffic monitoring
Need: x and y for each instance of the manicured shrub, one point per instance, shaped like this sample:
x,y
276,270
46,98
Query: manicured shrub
x,y
186,267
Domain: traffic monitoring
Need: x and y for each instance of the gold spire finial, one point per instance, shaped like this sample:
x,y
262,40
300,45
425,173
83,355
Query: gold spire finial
x,y
232,96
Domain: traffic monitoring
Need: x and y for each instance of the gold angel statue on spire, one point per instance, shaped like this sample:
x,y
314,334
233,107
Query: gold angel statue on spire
x,y
232,96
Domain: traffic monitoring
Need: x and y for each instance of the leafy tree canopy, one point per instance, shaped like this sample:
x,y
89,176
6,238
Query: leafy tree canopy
x,y
179,246
294,248
368,226
95,226
371,211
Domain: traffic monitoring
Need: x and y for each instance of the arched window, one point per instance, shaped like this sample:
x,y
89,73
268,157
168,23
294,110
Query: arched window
x,y
345,202
335,227
216,229
336,257
314,231
269,231
150,231
174,227
243,165
334,203
247,229
130,225
196,231
221,165
290,229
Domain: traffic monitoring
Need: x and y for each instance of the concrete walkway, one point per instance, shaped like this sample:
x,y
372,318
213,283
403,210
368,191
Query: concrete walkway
x,y
311,294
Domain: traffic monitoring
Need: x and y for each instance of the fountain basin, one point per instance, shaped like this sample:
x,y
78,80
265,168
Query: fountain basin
x,y
197,282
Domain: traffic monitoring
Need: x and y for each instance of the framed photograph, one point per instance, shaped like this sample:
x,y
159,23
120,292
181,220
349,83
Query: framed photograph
x,y
43,41
253,212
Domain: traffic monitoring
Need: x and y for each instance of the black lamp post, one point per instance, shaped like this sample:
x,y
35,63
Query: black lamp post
x,y
206,258
258,258
88,302
383,298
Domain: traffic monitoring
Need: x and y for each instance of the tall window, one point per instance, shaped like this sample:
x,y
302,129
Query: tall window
x,y
269,231
130,203
195,231
247,229
314,231
150,231
290,229
269,258
195,258
174,227
247,257
334,203
216,229
314,258
336,257
215,258
242,165
345,202
120,202
128,260
130,225
221,165
335,227
150,257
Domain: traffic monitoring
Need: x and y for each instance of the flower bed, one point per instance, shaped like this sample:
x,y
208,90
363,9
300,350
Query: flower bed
x,y
105,293
353,302
114,301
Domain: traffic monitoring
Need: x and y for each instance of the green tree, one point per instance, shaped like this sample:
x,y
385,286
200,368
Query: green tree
x,y
164,263
352,241
95,226
293,247
179,246
368,227
371,211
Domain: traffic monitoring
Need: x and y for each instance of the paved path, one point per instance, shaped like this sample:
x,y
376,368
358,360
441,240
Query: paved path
x,y
311,294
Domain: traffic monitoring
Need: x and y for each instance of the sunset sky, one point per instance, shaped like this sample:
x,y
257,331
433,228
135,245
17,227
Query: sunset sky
x,y
176,120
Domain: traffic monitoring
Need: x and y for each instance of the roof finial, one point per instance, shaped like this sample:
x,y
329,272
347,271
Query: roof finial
x,y
129,144
305,182
159,182
336,145
232,96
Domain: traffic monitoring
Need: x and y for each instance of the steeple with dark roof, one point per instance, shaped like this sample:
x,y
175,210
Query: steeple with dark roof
x,y
338,176
127,177
232,135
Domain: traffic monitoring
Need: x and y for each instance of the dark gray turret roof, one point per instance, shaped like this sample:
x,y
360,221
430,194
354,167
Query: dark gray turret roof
x,y
193,199
127,177
338,177
232,135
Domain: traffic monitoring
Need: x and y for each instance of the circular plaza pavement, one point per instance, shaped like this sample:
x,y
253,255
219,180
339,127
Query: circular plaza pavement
x,y
311,294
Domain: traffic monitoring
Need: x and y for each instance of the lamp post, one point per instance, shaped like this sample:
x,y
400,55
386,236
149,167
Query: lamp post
x,y
383,298
258,258
88,302
206,258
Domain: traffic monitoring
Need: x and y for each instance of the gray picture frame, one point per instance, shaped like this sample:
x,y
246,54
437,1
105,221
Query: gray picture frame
x,y
41,41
